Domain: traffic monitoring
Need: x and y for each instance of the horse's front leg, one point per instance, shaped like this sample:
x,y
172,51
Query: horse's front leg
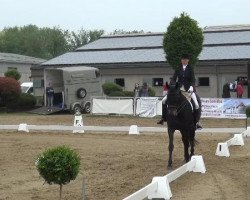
x,y
186,147
170,146
192,143
192,148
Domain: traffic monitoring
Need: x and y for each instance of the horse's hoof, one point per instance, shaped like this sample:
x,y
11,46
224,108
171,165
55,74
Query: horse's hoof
x,y
170,167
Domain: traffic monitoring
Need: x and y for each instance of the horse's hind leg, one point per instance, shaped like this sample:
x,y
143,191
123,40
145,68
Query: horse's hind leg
x,y
170,146
186,147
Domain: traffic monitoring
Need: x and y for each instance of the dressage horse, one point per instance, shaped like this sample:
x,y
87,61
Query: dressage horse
x,y
180,117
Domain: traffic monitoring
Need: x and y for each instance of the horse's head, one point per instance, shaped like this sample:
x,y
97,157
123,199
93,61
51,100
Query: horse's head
x,y
173,99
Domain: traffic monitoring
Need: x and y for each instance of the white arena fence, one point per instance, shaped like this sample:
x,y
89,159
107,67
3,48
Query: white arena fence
x,y
160,188
152,106
236,140
127,106
113,129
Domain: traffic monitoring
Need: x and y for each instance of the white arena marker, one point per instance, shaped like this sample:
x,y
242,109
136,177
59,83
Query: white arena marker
x,y
160,188
78,122
134,130
237,140
23,127
246,133
222,149
199,164
163,190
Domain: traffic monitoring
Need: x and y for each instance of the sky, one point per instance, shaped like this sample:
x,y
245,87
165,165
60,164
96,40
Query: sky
x,y
147,15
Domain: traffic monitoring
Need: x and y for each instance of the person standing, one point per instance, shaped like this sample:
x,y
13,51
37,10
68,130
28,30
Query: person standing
x,y
239,89
226,91
144,91
50,96
136,90
165,89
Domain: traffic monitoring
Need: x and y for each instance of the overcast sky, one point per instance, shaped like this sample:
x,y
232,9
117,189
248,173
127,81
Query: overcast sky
x,y
147,15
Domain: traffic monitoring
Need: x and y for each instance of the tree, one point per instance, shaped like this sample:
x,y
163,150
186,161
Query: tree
x,y
123,32
13,73
58,165
183,36
83,37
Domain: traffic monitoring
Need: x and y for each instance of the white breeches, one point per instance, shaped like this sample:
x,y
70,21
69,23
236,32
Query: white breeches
x,y
164,99
196,104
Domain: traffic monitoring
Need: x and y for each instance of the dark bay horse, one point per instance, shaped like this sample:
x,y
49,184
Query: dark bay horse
x,y
180,117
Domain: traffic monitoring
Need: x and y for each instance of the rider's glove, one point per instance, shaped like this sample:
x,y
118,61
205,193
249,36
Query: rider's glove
x,y
191,89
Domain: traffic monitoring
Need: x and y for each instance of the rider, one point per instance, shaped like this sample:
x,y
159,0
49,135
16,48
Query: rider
x,y
185,75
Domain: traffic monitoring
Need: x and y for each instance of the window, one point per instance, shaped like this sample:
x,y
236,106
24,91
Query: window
x,y
12,68
203,81
38,82
157,81
120,81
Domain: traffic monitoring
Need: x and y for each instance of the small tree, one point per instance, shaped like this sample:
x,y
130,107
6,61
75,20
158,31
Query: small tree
x,y
183,36
13,73
110,87
58,165
9,90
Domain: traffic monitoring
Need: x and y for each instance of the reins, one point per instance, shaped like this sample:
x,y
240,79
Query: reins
x,y
180,107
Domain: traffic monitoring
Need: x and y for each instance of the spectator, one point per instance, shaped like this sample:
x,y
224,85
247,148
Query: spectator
x,y
136,90
144,91
50,96
226,91
239,89
165,89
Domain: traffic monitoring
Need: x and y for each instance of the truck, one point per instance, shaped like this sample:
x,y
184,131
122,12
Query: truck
x,y
27,87
73,87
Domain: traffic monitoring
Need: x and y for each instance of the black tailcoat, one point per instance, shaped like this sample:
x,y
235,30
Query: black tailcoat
x,y
185,77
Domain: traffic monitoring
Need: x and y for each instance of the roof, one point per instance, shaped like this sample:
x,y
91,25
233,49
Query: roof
x,y
220,43
77,69
16,58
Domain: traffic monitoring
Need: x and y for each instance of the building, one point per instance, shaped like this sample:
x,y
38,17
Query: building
x,y
20,63
130,59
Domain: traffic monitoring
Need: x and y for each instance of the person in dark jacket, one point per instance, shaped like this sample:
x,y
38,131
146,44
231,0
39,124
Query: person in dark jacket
x,y
184,75
226,91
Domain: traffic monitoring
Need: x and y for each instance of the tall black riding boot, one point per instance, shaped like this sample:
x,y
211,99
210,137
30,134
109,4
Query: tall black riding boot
x,y
164,115
196,119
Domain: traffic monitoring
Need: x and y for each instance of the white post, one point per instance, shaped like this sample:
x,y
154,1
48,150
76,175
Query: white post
x,y
134,130
222,149
78,122
163,189
237,140
199,164
246,133
23,127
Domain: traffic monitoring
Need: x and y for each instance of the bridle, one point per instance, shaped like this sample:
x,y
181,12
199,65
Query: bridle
x,y
178,108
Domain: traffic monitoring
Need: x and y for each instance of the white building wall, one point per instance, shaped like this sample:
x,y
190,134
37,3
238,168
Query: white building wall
x,y
23,69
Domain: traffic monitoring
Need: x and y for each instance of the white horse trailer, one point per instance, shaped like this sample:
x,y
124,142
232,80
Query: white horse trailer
x,y
73,87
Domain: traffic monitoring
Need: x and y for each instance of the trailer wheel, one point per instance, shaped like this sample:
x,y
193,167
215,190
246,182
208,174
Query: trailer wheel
x,y
77,108
87,107
81,93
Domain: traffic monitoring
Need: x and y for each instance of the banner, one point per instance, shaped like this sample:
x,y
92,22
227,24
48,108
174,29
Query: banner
x,y
113,106
152,106
148,106
224,108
